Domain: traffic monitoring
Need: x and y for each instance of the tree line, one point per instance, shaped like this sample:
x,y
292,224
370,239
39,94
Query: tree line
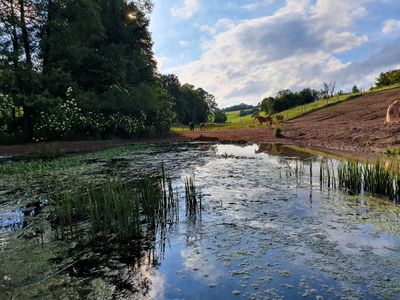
x,y
286,99
85,68
388,78
192,104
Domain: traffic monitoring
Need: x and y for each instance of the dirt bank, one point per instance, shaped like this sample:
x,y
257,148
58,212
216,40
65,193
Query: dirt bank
x,y
356,125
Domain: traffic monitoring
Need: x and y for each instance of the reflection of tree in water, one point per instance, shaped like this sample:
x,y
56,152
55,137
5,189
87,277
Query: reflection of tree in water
x,y
283,151
127,268
130,269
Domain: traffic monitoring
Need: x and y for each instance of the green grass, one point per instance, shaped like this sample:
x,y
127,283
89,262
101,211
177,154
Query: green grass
x,y
235,121
63,163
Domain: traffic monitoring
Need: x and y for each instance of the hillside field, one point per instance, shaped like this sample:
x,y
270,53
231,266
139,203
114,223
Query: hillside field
x,y
235,121
352,125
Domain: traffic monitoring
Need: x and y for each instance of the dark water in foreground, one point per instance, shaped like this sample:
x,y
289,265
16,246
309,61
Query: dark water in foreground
x,y
264,233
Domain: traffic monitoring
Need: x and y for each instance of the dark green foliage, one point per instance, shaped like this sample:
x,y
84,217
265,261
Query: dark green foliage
x,y
388,78
286,99
355,89
277,132
220,116
73,69
190,104
247,112
392,151
240,107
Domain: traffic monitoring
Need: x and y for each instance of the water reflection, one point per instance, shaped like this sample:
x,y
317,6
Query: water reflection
x,y
269,228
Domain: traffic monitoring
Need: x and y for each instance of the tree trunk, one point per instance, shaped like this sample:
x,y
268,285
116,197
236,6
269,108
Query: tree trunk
x,y
47,35
25,35
28,60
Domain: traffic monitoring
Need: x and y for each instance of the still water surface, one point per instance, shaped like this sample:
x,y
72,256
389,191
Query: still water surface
x,y
264,233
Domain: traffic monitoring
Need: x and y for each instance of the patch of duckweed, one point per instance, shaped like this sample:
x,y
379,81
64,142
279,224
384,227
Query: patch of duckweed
x,y
67,162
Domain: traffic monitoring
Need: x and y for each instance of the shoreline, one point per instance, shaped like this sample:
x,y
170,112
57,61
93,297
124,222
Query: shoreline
x,y
60,148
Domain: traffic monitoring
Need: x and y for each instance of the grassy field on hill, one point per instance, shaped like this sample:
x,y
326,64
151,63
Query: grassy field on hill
x,y
236,121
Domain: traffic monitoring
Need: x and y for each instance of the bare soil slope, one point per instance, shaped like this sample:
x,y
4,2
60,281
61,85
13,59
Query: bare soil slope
x,y
356,125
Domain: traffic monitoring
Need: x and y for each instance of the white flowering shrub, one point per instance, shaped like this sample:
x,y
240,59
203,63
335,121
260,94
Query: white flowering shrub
x,y
67,120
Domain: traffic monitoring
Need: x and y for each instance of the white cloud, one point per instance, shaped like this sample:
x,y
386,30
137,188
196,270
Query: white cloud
x,y
294,48
220,25
187,10
257,5
390,26
184,43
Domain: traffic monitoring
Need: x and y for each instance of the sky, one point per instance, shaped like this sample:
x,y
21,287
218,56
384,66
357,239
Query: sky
x,y
243,51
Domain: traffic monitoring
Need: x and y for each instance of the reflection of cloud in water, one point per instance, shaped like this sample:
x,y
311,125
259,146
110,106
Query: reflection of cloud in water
x,y
158,286
195,259
366,238
236,150
11,220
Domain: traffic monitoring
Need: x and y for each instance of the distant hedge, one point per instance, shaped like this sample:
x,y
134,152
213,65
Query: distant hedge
x,y
388,78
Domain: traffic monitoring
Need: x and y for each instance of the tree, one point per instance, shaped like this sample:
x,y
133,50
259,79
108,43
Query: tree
x,y
220,116
328,89
355,89
388,78
286,99
100,49
190,104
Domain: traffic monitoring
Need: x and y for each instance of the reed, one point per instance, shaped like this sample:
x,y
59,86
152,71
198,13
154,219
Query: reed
x,y
350,176
114,208
109,209
379,178
193,199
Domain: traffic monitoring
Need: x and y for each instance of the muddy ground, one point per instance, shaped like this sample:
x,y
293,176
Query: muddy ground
x,y
356,125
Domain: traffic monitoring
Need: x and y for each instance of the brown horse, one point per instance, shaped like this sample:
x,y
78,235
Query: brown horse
x,y
202,126
393,113
267,119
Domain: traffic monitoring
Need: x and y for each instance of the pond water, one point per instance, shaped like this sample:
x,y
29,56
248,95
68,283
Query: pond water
x,y
263,233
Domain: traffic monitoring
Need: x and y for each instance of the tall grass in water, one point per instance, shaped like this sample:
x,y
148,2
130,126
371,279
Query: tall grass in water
x,y
192,197
110,209
379,178
113,208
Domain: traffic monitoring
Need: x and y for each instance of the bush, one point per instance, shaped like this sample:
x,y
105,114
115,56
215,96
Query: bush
x,y
220,116
277,132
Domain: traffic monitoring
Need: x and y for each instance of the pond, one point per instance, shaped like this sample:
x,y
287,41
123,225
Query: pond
x,y
267,228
